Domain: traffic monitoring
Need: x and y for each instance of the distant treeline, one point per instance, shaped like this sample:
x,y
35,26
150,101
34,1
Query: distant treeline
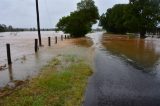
x,y
5,28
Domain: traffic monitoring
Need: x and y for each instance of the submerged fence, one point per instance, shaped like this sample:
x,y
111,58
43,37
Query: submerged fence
x,y
36,46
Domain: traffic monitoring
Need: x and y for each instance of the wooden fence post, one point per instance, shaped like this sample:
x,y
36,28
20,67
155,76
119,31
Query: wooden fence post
x,y
8,54
36,45
49,41
55,39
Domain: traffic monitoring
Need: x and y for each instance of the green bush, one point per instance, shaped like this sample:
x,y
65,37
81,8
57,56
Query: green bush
x,y
79,22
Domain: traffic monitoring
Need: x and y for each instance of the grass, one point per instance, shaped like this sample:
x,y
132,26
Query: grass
x,y
53,87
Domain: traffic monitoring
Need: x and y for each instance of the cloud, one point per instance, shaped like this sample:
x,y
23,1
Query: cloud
x,y
103,5
22,13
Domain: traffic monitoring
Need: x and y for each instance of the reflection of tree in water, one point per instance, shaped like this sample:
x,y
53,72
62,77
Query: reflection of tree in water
x,y
142,52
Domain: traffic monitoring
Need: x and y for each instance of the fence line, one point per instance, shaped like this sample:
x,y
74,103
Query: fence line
x,y
36,46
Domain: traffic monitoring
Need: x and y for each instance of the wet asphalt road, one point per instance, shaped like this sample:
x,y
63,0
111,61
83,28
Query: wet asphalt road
x,y
117,83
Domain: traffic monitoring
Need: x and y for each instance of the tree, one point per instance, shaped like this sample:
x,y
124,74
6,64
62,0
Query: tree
x,y
79,22
90,11
3,28
74,24
114,19
10,28
143,15
139,16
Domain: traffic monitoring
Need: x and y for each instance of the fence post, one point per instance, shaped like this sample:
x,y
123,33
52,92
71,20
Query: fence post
x,y
8,54
55,39
36,45
49,41
61,37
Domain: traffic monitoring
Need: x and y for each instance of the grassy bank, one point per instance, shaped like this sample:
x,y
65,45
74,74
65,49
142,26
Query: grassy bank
x,y
61,83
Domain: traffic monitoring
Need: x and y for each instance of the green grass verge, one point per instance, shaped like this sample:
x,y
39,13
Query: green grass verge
x,y
53,87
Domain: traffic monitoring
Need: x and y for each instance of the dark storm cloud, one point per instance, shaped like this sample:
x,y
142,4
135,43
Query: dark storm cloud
x,y
22,13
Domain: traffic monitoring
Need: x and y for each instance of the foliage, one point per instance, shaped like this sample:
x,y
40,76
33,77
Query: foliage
x,y
89,11
3,28
74,25
139,16
79,22
113,20
143,16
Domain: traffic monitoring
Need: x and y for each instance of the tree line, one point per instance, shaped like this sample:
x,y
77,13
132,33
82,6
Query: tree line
x,y
5,28
139,16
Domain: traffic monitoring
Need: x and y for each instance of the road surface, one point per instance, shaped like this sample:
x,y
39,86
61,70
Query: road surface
x,y
117,83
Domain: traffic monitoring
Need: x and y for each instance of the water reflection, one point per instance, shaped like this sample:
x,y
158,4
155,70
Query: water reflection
x,y
141,53
10,72
84,42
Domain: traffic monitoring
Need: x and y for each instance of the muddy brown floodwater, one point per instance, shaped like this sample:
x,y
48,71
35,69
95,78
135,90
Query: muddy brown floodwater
x,y
26,63
127,72
143,54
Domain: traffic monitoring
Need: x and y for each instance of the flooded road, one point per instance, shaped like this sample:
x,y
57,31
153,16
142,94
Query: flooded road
x,y
126,72
142,54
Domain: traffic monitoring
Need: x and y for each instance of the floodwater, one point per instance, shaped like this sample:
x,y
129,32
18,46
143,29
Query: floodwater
x,y
142,54
26,63
22,43
126,72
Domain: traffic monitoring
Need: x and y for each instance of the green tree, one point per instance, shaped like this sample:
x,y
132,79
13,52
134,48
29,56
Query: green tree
x,y
114,19
139,16
79,22
3,28
143,15
74,24
89,10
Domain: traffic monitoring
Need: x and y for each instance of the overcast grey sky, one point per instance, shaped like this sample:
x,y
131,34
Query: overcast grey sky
x,y
22,13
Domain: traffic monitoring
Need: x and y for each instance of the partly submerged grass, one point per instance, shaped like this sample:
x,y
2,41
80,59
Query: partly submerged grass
x,y
53,87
